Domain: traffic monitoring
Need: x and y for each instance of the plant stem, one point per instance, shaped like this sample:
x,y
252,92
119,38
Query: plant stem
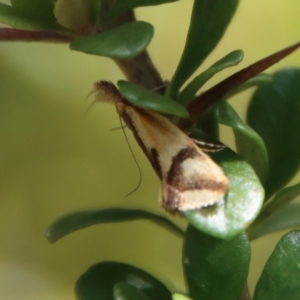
x,y
139,69
199,105
11,34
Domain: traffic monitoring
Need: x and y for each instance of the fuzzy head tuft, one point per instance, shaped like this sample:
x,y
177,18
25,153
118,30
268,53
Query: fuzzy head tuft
x,y
106,92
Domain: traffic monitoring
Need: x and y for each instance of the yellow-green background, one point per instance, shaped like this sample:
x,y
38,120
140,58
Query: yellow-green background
x,y
55,159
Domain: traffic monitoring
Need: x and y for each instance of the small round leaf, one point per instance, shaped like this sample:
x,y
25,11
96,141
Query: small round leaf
x,y
214,268
98,282
21,20
240,205
123,42
274,113
280,277
82,219
142,98
249,144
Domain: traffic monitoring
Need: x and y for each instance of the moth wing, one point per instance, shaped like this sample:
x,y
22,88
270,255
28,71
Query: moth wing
x,y
158,137
190,179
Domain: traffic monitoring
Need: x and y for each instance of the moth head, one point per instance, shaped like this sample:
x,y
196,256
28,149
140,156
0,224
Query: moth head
x,y
106,92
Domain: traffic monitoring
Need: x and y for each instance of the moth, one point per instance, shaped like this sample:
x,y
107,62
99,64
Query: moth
x,y
190,179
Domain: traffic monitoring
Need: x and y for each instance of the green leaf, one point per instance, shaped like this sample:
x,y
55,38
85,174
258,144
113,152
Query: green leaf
x,y
230,60
249,144
123,42
214,268
208,120
99,280
241,204
119,7
286,218
280,277
37,9
126,291
209,124
82,219
274,114
75,15
209,21
142,98
13,18
282,198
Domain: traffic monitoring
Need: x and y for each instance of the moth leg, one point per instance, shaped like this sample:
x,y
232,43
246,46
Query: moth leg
x,y
161,88
209,147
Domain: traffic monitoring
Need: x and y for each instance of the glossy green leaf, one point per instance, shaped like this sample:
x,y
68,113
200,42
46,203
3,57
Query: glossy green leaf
x,y
208,121
123,42
38,9
142,98
126,291
274,113
119,7
75,15
209,21
214,268
249,144
280,277
82,219
15,19
98,282
287,217
230,60
282,198
240,205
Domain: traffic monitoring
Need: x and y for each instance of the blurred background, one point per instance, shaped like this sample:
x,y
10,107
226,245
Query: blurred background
x,y
56,159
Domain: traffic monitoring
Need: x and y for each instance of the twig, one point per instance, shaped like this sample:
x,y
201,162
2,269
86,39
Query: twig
x,y
198,106
139,69
11,34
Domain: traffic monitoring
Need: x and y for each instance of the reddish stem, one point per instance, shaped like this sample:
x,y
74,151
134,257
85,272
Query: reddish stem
x,y
11,34
211,96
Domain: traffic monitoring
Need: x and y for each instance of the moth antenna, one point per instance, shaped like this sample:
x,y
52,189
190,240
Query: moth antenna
x,y
209,147
134,158
90,106
118,128
88,95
